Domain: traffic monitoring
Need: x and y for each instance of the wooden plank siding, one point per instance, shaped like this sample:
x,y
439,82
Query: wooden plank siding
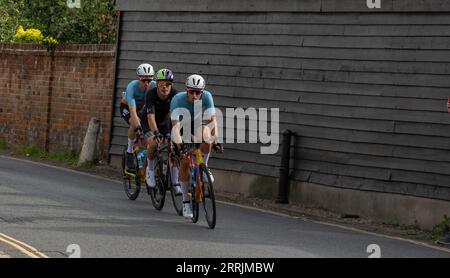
x,y
364,90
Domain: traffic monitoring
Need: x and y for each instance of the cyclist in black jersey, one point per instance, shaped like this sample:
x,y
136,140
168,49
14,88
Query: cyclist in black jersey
x,y
157,107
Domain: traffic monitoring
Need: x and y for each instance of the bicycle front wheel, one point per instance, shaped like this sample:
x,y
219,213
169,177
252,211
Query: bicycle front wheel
x,y
131,184
158,193
209,200
177,198
195,205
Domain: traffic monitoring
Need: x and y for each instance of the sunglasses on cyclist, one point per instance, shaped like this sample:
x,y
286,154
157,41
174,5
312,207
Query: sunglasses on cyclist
x,y
146,80
195,92
165,83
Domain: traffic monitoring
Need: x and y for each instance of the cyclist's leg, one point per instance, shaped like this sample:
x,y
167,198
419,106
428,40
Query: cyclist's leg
x,y
198,135
151,142
175,174
151,149
151,145
184,178
206,147
165,128
125,113
184,182
133,125
185,169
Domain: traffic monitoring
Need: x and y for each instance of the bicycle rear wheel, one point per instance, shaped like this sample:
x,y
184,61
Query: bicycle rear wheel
x,y
158,194
131,184
209,200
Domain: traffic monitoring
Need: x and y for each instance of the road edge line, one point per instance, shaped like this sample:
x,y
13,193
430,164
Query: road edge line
x,y
306,219
60,168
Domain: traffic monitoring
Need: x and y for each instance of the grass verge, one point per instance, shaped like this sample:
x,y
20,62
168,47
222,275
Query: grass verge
x,y
67,156
441,229
3,145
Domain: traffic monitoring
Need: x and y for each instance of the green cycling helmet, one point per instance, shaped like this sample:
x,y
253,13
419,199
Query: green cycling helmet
x,y
165,75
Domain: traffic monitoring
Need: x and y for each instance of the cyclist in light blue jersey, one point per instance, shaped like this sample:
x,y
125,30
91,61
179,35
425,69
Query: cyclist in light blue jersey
x,y
131,106
186,102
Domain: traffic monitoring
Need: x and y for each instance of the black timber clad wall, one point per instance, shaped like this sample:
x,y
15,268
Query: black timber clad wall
x,y
365,90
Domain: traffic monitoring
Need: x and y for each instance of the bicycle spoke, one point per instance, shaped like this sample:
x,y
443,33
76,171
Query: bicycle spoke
x,y
209,205
158,193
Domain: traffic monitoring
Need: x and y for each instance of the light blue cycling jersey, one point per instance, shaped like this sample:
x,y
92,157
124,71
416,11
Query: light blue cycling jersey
x,y
134,96
180,100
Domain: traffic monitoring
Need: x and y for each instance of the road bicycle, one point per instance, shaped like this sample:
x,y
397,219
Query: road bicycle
x,y
164,162
201,190
134,178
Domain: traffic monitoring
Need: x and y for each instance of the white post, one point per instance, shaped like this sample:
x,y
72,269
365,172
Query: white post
x,y
90,142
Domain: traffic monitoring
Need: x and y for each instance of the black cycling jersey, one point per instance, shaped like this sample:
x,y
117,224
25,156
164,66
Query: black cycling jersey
x,y
158,107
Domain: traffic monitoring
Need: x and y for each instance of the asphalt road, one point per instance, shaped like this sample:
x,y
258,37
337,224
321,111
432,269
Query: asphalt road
x,y
51,208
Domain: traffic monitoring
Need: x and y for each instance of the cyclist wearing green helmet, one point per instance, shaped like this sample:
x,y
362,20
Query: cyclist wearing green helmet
x,y
157,108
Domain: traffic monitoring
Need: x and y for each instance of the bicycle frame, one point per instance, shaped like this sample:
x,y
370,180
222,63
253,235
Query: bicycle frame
x,y
195,172
138,147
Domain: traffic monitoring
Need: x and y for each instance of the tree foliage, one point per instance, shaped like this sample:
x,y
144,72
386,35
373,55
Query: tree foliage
x,y
93,22
9,19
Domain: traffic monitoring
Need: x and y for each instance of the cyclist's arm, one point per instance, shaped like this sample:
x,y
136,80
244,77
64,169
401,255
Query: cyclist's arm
x,y
175,117
152,122
176,133
216,145
132,106
150,111
212,124
134,116
211,114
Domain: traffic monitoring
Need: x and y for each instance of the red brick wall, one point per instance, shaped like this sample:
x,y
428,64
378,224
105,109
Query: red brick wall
x,y
70,87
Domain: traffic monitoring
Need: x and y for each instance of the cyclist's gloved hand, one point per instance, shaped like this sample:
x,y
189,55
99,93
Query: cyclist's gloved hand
x,y
218,147
158,136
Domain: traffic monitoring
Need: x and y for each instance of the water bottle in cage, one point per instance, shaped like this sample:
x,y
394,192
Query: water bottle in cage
x,y
141,158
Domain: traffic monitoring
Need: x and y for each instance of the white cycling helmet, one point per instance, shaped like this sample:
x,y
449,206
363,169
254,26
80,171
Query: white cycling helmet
x,y
196,82
145,70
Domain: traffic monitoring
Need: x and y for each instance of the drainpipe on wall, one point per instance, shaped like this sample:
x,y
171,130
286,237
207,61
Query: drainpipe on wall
x,y
49,100
283,181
